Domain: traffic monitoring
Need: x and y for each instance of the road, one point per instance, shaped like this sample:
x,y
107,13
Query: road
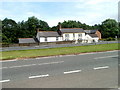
x,y
90,70
52,46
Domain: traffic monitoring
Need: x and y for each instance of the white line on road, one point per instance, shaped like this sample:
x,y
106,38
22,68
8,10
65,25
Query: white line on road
x,y
106,57
105,67
51,63
4,81
39,76
9,60
23,66
75,71
3,67
32,65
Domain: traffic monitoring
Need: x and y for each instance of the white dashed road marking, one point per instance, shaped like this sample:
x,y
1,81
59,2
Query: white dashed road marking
x,y
105,67
39,76
75,71
3,67
32,65
9,60
106,57
23,66
4,81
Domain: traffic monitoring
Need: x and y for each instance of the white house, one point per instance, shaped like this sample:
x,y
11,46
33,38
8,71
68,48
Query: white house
x,y
48,36
69,34
76,34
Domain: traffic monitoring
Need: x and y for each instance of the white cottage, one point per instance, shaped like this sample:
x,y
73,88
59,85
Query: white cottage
x,y
48,36
76,34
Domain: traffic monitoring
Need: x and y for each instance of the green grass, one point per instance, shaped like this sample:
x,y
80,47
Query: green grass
x,y
57,51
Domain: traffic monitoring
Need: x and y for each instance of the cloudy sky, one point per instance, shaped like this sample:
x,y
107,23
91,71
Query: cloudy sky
x,y
53,11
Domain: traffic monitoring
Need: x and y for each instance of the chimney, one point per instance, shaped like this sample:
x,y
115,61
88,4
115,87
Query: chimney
x,y
59,25
38,29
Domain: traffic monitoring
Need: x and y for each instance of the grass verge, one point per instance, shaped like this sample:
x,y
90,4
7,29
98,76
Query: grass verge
x,y
57,51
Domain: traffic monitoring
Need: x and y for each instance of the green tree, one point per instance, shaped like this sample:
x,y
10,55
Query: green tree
x,y
33,23
109,28
28,29
74,24
9,30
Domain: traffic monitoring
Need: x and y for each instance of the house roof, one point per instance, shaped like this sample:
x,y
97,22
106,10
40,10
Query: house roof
x,y
72,30
26,40
93,35
90,31
48,34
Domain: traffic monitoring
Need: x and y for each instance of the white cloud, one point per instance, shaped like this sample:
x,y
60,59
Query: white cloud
x,y
96,11
42,0
86,11
32,14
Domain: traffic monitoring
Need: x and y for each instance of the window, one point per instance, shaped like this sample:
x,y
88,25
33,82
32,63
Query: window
x,y
56,38
73,36
79,35
45,38
66,36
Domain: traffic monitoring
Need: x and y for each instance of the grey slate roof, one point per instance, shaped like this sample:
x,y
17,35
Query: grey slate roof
x,y
48,34
72,30
93,35
26,40
90,31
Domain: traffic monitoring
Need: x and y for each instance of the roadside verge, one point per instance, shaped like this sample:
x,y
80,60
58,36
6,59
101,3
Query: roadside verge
x,y
20,54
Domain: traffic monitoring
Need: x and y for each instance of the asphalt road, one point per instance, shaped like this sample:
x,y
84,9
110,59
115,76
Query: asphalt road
x,y
90,70
52,46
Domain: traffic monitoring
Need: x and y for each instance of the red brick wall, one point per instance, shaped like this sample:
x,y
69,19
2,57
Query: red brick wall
x,y
98,34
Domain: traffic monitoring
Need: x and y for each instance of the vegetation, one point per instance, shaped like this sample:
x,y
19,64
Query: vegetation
x,y
11,30
109,28
57,51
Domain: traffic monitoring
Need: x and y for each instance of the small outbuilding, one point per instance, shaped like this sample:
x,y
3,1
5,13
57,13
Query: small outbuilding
x,y
26,40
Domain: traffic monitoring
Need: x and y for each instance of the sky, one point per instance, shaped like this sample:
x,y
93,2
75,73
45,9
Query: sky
x,y
53,11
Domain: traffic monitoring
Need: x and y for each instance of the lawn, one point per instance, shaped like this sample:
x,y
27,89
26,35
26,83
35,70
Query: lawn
x,y
57,51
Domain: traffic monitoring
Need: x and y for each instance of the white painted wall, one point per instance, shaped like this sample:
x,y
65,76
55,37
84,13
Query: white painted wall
x,y
50,39
85,38
96,39
71,36
90,39
42,39
60,38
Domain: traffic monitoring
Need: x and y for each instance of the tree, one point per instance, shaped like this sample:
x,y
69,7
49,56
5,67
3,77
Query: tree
x,y
9,30
0,31
75,24
33,23
119,30
109,28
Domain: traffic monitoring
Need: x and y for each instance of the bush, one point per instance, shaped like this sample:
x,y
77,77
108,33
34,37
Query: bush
x,y
110,39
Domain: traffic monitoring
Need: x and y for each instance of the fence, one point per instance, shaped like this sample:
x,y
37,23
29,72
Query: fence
x,y
35,44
